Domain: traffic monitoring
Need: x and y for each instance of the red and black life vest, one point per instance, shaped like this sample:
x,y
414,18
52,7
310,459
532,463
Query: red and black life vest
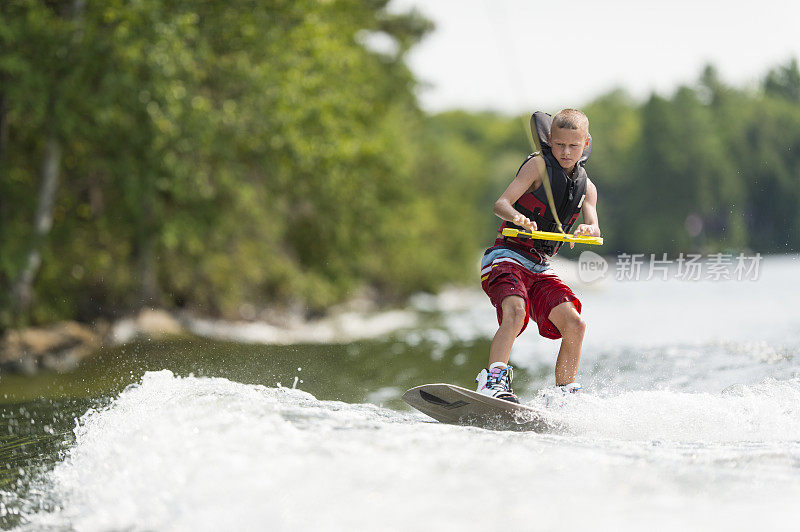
x,y
568,195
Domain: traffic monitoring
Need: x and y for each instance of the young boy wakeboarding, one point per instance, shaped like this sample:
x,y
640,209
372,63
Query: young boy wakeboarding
x,y
515,272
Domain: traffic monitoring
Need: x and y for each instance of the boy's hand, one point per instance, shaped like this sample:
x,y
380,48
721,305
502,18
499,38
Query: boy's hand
x,y
523,221
585,229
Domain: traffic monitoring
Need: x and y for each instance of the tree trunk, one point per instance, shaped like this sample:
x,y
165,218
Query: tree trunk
x,y
3,123
22,290
3,145
148,277
5,284
23,287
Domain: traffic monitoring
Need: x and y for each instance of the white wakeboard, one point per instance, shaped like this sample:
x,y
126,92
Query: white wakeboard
x,y
455,405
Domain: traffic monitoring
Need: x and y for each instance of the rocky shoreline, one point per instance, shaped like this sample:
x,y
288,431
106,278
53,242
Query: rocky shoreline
x,y
58,347
63,345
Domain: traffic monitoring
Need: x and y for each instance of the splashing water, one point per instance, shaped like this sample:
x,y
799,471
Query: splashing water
x,y
209,454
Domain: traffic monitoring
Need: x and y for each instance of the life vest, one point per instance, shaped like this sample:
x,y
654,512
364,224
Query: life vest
x,y
568,195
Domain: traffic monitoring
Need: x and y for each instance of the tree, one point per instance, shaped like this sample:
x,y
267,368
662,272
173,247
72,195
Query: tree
x,y
784,82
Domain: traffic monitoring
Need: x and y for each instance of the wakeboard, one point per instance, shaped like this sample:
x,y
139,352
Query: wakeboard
x,y
455,405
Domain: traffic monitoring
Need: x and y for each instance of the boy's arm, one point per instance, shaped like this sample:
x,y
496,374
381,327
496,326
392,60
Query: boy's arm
x,y
590,225
528,178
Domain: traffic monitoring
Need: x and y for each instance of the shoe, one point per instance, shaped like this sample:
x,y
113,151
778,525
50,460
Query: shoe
x,y
495,381
556,397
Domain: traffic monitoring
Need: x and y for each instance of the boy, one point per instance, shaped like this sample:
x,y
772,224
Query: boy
x,y
515,272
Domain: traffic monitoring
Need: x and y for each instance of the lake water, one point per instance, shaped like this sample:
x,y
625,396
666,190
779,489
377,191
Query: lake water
x,y
689,420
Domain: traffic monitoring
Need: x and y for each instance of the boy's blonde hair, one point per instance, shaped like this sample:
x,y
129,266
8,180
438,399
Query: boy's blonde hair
x,y
571,119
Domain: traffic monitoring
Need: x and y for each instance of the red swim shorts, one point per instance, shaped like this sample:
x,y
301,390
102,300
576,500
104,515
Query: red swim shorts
x,y
542,292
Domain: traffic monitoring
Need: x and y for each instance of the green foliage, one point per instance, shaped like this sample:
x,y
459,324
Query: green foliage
x,y
218,153
221,153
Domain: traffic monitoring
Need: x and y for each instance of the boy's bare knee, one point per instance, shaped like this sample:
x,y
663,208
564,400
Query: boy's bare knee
x,y
574,325
514,312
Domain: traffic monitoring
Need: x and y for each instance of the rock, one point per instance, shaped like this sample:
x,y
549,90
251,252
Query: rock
x,y
151,324
58,347
158,323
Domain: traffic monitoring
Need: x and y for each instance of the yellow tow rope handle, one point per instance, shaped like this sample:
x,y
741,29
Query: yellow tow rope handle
x,y
561,237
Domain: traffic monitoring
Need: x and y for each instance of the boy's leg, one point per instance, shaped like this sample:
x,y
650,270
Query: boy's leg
x,y
512,322
572,328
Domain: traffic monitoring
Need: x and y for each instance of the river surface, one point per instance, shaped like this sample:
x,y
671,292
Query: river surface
x,y
689,420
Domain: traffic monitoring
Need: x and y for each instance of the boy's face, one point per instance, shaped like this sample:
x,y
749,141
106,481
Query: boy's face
x,y
568,145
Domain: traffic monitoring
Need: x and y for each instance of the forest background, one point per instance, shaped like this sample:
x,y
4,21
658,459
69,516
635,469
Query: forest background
x,y
207,155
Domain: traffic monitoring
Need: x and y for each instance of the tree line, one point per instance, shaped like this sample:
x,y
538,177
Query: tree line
x,y
205,155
